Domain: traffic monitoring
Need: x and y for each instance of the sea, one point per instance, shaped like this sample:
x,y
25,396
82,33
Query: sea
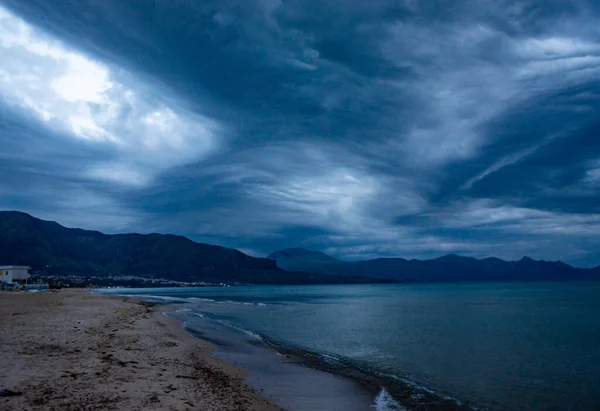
x,y
468,346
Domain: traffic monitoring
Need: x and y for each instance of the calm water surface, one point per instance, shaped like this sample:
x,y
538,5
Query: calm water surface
x,y
498,346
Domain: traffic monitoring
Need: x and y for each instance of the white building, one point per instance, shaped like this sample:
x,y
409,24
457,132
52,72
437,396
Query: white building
x,y
9,273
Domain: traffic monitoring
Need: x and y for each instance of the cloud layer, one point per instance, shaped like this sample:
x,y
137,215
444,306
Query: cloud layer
x,y
390,128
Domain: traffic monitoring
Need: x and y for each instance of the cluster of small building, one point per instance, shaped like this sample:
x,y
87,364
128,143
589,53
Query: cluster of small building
x,y
111,280
17,278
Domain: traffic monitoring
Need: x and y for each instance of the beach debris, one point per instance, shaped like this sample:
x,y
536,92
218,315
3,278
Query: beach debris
x,y
170,388
189,377
4,392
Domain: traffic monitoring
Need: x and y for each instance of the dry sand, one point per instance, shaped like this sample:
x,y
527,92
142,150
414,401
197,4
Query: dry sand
x,y
74,351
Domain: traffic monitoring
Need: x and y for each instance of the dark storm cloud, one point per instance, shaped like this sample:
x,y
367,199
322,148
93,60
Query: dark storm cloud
x,y
363,129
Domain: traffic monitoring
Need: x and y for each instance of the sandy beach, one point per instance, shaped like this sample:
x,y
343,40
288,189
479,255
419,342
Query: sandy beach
x,y
74,351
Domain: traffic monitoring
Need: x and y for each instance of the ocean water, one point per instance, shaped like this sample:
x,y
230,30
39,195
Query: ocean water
x,y
504,346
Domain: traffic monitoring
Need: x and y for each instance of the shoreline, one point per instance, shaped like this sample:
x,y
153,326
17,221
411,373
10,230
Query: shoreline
x,y
89,345
399,391
386,392
284,378
75,350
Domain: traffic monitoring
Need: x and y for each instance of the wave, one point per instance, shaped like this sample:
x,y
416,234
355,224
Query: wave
x,y
252,334
210,300
330,358
413,384
241,303
157,297
181,299
385,402
422,388
391,386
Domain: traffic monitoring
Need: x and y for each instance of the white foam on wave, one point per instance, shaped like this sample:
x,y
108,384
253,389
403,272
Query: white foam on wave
x,y
385,402
248,332
329,358
157,297
210,300
423,388
410,383
189,312
253,334
240,303
202,299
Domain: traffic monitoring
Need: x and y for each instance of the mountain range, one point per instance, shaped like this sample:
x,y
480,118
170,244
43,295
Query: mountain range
x,y
448,268
48,247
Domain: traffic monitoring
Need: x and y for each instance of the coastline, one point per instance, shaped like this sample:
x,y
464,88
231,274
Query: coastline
x,y
290,374
280,375
74,350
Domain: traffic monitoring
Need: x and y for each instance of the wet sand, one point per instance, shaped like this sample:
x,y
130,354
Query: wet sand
x,y
74,351
285,379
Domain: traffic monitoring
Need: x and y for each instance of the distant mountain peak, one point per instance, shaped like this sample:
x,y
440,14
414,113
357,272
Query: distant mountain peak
x,y
298,252
493,259
291,252
453,257
16,215
447,268
302,259
449,257
40,243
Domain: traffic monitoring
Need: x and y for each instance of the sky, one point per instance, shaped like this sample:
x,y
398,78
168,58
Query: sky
x,y
362,129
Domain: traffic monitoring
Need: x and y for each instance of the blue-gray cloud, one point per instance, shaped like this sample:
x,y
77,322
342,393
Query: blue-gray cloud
x,y
386,128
